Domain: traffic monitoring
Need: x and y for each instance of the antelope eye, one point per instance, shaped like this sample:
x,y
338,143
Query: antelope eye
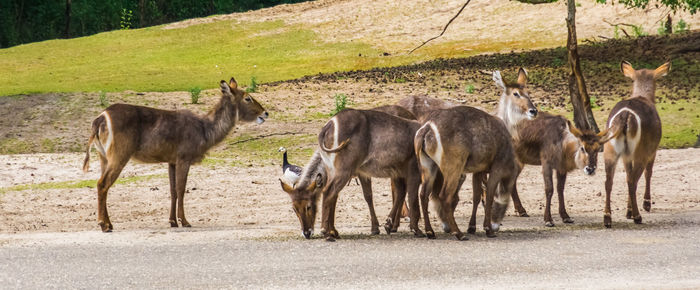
x,y
583,150
516,94
248,99
308,207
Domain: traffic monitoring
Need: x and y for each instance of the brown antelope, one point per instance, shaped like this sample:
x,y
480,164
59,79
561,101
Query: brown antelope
x,y
421,106
180,138
292,173
363,143
479,145
634,130
547,140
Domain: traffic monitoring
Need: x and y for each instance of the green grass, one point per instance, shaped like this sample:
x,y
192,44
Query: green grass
x,y
76,184
156,59
242,151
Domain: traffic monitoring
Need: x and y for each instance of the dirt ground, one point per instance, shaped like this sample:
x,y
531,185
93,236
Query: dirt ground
x,y
251,198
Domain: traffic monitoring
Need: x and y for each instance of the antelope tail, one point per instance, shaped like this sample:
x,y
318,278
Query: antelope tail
x,y
94,135
322,136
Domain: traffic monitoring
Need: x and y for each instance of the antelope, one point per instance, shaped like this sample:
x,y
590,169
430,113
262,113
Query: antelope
x,y
481,145
363,143
547,140
180,138
422,106
634,131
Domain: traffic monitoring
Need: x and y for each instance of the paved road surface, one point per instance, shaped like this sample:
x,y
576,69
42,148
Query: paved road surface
x,y
665,253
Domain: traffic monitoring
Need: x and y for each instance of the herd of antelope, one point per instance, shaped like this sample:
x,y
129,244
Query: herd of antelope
x,y
424,145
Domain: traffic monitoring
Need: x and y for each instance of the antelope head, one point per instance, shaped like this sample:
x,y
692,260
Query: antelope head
x,y
644,79
588,145
305,201
246,108
515,103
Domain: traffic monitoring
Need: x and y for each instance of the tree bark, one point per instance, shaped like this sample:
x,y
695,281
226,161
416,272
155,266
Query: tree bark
x,y
583,115
66,32
142,13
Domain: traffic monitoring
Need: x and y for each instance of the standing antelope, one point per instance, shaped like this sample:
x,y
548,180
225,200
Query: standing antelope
x,y
179,138
363,143
421,106
634,130
547,140
465,140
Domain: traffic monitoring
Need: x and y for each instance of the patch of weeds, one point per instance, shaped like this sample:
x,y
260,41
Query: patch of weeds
x,y
639,31
14,146
91,183
125,19
246,150
103,99
616,32
253,85
399,80
594,100
469,89
48,145
341,100
681,27
557,62
194,94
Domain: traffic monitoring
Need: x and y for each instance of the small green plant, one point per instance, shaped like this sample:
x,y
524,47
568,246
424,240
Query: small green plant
x,y
557,62
681,26
469,89
253,85
341,100
399,80
593,100
616,32
638,31
125,19
662,28
194,94
103,99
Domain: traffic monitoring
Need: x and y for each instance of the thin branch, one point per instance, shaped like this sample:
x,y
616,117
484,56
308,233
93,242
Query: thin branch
x,y
264,136
444,29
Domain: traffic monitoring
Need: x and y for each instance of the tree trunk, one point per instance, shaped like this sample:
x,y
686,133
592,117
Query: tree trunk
x,y
142,13
66,33
669,24
583,116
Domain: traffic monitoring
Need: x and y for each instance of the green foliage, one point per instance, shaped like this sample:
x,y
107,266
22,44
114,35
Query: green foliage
x,y
681,27
616,32
662,28
341,100
253,85
103,100
638,31
676,5
194,94
125,19
557,62
469,89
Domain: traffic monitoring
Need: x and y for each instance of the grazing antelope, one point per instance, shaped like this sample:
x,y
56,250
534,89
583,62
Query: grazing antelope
x,y
634,130
481,145
180,138
363,143
547,140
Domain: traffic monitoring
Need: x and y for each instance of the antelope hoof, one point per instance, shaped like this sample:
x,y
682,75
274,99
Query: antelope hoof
x,y
330,239
471,230
523,214
334,234
548,224
461,236
106,228
173,224
417,233
638,220
375,232
490,233
607,221
647,205
629,214
430,234
388,226
568,220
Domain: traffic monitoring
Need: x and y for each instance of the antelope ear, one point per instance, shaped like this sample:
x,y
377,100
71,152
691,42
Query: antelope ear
x,y
311,186
286,187
225,88
574,130
522,77
498,80
662,70
233,83
627,69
